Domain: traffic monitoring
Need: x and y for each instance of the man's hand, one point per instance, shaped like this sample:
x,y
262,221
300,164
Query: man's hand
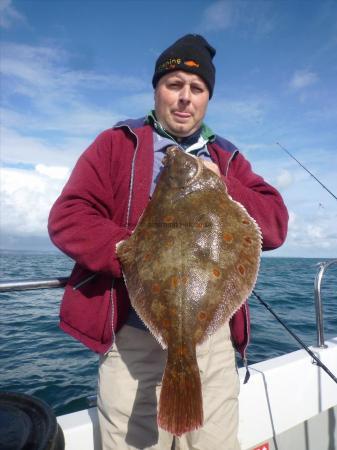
x,y
213,167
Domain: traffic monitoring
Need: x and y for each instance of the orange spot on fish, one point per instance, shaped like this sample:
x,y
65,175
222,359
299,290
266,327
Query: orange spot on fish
x,y
191,63
199,226
166,323
147,257
174,282
248,240
173,311
168,219
245,221
216,272
241,269
202,315
228,237
155,288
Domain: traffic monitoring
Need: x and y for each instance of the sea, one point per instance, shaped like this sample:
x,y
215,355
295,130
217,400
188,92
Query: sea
x,y
38,359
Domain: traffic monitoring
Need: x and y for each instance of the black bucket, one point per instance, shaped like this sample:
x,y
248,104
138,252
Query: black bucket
x,y
28,423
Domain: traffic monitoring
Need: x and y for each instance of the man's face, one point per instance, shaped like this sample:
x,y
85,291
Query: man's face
x,y
181,101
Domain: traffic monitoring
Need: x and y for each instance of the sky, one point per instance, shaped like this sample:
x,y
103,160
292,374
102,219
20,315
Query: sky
x,y
71,69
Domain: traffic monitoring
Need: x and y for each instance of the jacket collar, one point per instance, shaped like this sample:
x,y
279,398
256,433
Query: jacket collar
x,y
151,119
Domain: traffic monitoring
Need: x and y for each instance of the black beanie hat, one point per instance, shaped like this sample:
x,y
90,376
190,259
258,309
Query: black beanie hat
x,y
191,53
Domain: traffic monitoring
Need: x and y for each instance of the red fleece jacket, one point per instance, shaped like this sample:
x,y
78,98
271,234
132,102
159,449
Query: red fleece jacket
x,y
110,182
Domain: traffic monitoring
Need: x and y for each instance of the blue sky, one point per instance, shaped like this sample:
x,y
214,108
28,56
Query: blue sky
x,y
71,69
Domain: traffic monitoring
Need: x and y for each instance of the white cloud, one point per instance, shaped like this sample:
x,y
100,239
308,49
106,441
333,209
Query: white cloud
x,y
232,111
26,198
302,79
17,148
80,120
292,219
254,18
284,179
53,172
8,14
41,69
315,232
218,16
310,233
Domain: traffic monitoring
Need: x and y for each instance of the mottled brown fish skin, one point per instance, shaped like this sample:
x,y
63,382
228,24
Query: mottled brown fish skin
x,y
189,265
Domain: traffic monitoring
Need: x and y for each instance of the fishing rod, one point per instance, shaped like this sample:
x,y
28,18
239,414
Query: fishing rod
x,y
303,345
307,170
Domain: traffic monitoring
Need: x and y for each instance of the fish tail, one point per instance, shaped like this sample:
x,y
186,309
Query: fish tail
x,y
180,404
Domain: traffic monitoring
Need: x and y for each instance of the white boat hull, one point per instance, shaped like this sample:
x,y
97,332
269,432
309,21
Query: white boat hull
x,y
288,404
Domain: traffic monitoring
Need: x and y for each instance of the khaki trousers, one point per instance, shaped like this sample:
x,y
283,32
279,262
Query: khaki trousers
x,y
129,386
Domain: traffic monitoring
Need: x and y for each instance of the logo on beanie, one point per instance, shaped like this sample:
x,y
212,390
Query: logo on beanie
x,y
169,64
173,62
191,63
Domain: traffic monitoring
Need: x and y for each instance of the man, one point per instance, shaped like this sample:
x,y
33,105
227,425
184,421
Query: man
x,y
101,205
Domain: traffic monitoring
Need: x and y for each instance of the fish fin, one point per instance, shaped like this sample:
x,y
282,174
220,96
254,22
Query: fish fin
x,y
180,404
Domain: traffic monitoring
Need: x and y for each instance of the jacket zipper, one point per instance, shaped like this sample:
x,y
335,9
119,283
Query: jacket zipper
x,y
245,358
157,125
233,155
132,172
127,226
112,316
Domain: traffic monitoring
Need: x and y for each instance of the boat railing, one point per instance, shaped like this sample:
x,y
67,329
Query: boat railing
x,y
38,283
323,266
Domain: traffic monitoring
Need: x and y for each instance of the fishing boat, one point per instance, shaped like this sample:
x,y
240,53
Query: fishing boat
x,y
289,403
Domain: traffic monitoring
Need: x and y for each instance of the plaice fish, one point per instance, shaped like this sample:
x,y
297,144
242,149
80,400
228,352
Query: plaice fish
x,y
191,262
